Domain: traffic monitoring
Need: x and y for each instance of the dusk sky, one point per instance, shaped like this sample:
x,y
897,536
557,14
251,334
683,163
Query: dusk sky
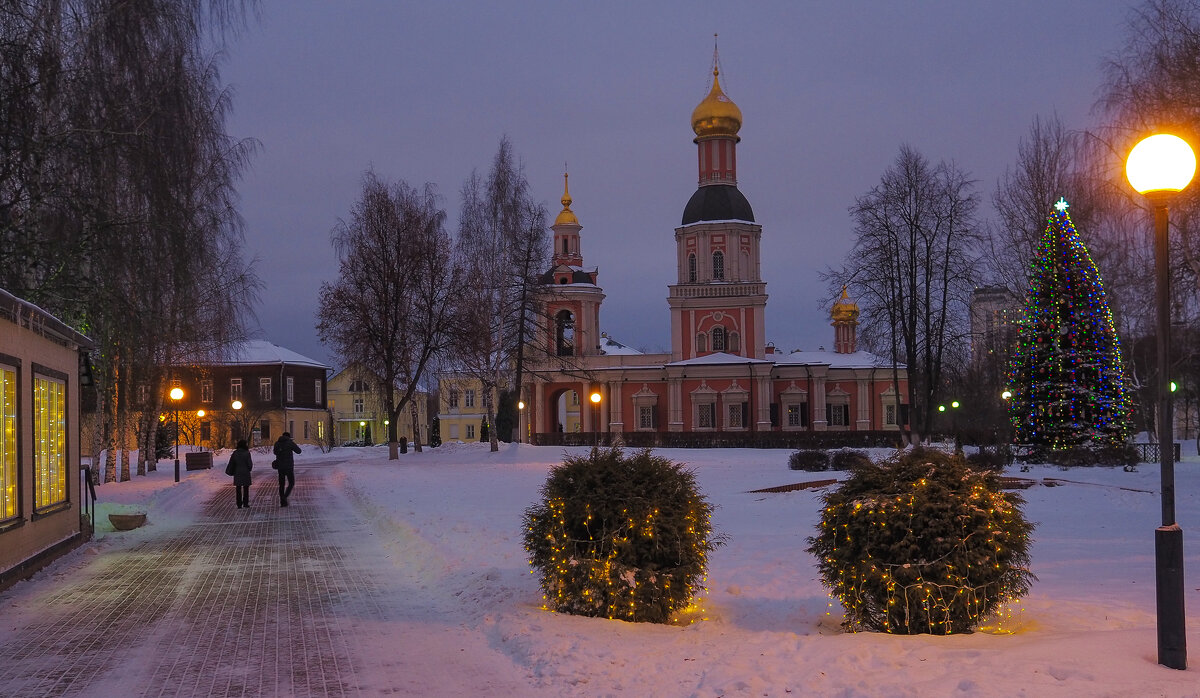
x,y
828,91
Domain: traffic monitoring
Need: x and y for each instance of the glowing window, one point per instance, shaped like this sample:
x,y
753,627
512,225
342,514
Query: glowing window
x,y
49,442
8,443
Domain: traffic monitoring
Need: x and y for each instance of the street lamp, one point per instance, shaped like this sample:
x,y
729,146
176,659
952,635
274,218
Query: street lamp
x,y
521,437
596,401
176,396
1159,167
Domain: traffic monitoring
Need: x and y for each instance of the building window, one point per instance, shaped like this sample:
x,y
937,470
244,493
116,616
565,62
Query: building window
x,y
691,267
838,415
889,415
317,392
718,265
469,398
718,336
453,400
235,388
360,386
264,389
49,442
454,431
205,431
646,417
793,415
706,415
566,247
574,398
264,430
306,430
206,391
735,411
9,492
701,342
291,389
359,405
564,333
320,429
470,431
732,341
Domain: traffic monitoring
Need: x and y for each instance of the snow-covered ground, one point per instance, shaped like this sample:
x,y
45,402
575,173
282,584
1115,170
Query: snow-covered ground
x,y
451,517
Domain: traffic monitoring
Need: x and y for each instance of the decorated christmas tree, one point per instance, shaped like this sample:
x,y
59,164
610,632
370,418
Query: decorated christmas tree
x,y
1068,389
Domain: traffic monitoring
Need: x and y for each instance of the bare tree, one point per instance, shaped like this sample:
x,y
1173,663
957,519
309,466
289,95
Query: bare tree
x,y
913,265
390,310
502,245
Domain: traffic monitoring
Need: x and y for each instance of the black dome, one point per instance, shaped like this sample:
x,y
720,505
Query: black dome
x,y
717,202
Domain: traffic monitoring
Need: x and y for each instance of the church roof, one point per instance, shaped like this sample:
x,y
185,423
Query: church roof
x,y
718,357
717,202
832,359
612,347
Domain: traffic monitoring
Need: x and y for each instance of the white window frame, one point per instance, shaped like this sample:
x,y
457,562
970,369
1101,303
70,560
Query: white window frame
x,y
290,387
264,389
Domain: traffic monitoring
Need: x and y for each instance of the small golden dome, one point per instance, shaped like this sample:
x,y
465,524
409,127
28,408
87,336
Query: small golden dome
x,y
717,115
566,216
845,310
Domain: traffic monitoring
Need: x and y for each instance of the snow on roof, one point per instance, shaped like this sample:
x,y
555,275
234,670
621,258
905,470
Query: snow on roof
x,y
260,351
612,347
719,357
858,359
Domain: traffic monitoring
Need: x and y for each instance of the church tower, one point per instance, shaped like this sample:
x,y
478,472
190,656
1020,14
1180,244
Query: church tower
x,y
572,296
719,300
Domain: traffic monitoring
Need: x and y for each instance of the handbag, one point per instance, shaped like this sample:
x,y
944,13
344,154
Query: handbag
x,y
229,468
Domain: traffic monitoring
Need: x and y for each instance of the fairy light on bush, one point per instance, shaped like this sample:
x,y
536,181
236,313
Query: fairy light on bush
x,y
623,538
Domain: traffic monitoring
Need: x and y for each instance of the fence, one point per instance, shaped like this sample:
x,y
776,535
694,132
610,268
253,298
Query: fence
x,y
725,439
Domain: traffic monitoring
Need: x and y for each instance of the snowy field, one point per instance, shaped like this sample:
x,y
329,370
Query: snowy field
x,y
451,521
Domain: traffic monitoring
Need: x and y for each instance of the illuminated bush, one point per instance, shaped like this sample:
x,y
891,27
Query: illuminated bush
x,y
620,537
922,543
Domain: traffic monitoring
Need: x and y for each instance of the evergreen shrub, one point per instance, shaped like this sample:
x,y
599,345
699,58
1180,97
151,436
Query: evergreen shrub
x,y
849,459
988,460
921,543
811,461
619,536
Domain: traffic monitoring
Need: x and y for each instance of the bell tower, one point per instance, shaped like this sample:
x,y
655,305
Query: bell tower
x,y
572,296
719,299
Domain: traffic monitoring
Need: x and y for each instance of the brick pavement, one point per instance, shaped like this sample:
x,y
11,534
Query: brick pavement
x,y
243,602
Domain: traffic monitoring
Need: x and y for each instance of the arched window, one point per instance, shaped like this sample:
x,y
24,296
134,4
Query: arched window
x,y
691,267
701,342
718,338
718,270
733,342
566,246
564,331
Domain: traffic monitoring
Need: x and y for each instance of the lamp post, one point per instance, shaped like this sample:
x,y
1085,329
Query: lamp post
x,y
237,416
1159,167
176,396
596,402
521,438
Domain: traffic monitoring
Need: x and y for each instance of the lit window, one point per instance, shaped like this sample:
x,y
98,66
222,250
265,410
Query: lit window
x,y
8,443
49,442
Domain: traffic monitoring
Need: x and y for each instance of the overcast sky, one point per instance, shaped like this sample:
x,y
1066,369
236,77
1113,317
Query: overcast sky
x,y
828,91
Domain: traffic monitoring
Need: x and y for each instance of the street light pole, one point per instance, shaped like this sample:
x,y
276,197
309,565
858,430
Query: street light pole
x,y
176,396
596,424
1159,167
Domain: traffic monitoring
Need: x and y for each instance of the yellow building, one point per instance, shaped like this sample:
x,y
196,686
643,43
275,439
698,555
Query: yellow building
x,y
460,406
356,402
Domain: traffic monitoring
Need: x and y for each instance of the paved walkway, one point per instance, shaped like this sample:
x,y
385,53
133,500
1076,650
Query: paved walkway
x,y
264,601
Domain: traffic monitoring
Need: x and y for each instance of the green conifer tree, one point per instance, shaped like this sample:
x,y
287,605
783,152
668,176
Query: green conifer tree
x,y
1067,385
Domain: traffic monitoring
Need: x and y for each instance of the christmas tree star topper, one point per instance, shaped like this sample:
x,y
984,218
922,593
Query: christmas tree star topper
x,y
1062,204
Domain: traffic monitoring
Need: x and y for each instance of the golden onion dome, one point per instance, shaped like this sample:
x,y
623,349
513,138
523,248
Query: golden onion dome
x,y
845,310
717,115
566,216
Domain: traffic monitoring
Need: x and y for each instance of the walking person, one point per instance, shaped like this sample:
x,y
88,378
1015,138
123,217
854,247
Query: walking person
x,y
240,465
286,465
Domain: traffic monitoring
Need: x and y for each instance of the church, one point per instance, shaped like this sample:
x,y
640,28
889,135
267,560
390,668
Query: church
x,y
721,382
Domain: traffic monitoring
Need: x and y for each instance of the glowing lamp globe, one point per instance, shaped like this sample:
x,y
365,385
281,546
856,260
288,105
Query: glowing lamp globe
x,y
596,397
176,393
1160,163
237,404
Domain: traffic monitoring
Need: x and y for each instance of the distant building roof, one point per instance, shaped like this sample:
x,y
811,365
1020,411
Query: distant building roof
x,y
858,359
260,351
612,347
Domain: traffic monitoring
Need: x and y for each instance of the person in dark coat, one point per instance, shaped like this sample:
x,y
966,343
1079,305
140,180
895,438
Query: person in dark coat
x,y
241,464
286,465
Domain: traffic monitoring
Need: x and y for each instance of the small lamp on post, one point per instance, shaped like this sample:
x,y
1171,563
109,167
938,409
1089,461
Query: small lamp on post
x,y
521,438
596,402
1159,167
176,396
237,418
